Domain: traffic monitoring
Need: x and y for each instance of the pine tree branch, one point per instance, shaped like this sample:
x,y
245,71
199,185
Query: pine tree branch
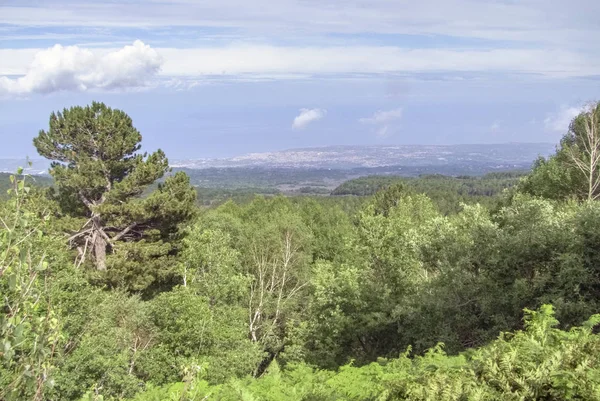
x,y
123,232
78,234
85,201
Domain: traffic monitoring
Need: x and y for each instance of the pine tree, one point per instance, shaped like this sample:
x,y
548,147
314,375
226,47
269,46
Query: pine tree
x,y
100,177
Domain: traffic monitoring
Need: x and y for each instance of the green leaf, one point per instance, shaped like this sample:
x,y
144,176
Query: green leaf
x,y
12,282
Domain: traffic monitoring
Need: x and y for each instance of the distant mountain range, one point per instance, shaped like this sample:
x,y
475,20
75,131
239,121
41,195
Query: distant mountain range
x,y
490,157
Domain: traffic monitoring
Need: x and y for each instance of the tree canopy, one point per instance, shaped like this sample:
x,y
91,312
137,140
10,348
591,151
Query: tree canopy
x,y
100,177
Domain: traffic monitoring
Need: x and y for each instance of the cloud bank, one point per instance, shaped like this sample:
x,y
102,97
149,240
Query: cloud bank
x,y
554,22
73,68
285,62
308,116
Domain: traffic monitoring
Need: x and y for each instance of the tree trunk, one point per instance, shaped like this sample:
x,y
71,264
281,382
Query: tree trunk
x,y
100,252
99,244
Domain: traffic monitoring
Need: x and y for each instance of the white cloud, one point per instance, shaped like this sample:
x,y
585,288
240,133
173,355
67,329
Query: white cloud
x,y
383,117
73,68
247,61
308,116
561,120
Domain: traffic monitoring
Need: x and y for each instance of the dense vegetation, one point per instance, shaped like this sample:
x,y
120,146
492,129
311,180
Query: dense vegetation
x,y
117,289
446,192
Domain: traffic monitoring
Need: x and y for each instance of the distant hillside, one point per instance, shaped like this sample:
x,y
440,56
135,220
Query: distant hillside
x,y
446,192
5,185
288,179
487,185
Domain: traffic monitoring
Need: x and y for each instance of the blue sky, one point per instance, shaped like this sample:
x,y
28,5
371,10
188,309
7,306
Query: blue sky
x,y
223,78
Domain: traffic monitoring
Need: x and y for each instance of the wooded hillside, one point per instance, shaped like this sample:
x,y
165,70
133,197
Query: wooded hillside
x,y
437,288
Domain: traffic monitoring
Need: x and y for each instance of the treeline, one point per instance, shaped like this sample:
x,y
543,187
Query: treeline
x,y
112,290
445,191
487,185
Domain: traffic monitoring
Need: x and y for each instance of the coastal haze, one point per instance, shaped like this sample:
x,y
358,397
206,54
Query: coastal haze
x,y
321,170
482,158
498,156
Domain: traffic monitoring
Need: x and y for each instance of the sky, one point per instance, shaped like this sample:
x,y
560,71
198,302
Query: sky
x,y
211,79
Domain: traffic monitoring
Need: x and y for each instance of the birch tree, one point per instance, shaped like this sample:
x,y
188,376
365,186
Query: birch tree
x,y
277,261
582,145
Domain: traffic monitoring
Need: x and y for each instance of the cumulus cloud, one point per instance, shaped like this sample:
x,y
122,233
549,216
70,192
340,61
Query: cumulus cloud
x,y
383,117
72,68
561,120
308,116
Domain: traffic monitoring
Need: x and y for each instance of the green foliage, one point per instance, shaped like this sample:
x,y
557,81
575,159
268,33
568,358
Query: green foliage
x,y
550,179
539,363
192,332
446,192
104,360
33,181
29,327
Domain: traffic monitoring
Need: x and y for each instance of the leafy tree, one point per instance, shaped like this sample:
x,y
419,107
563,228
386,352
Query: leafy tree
x,y
277,257
582,145
100,176
210,266
354,307
551,180
193,333
267,248
574,171
105,358
330,227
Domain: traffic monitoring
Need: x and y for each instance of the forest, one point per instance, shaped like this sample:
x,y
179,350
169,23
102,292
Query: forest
x,y
118,284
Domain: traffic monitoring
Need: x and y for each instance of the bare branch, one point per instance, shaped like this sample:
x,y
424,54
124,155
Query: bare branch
x,y
123,232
